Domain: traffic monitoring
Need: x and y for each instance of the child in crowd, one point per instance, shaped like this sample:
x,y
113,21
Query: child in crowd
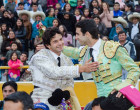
x,y
68,8
41,106
50,17
77,14
80,5
14,63
58,6
4,30
117,12
94,4
14,48
86,13
56,22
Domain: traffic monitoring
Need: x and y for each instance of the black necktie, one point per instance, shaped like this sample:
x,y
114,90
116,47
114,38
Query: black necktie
x,y
59,61
91,54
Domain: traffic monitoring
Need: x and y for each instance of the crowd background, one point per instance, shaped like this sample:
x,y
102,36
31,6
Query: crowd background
x,y
20,22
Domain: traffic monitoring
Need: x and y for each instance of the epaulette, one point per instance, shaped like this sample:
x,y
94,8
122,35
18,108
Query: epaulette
x,y
82,52
110,48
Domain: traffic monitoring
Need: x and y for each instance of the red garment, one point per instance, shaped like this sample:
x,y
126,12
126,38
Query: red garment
x,y
51,2
14,65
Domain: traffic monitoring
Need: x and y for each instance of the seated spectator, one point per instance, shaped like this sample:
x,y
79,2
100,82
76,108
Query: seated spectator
x,y
122,4
95,12
50,17
134,28
20,32
1,10
80,5
34,9
56,23
7,89
18,101
86,13
101,26
25,74
68,20
138,7
25,16
14,48
38,17
117,12
6,45
129,45
39,8
129,2
94,4
10,5
7,19
4,30
119,28
14,63
58,6
68,8
41,106
117,21
26,5
128,10
67,38
20,7
106,16
77,14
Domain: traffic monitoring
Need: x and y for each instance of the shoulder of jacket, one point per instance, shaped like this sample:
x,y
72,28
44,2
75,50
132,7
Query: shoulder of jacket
x,y
110,48
82,52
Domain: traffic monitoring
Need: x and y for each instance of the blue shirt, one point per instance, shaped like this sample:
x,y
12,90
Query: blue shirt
x,y
117,13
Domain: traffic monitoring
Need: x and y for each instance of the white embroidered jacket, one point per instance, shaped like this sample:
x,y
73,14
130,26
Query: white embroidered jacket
x,y
47,75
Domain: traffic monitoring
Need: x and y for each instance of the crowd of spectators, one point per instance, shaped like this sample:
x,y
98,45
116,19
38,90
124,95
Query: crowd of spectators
x,y
116,20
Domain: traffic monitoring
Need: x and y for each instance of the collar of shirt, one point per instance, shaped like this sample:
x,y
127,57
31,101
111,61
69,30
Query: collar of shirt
x,y
136,24
96,46
55,55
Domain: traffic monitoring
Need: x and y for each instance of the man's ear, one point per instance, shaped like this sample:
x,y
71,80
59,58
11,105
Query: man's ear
x,y
87,34
48,46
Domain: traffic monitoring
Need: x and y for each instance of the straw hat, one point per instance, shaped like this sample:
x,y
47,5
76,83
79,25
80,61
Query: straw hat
x,y
40,13
121,20
134,15
24,12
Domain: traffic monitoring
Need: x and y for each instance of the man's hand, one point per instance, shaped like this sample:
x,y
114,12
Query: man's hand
x,y
119,94
39,47
89,66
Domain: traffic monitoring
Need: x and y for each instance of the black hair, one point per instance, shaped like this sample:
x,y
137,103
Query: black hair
x,y
22,97
48,11
91,6
49,34
34,4
25,53
57,21
13,84
96,16
89,12
20,4
65,32
12,54
21,27
14,43
65,7
88,25
130,6
116,3
97,101
121,32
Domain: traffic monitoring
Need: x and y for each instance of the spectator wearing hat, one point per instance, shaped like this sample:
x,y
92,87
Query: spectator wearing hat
x,y
116,21
25,16
134,30
37,17
41,106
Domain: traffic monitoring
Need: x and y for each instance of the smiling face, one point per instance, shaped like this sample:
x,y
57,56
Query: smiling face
x,y
56,44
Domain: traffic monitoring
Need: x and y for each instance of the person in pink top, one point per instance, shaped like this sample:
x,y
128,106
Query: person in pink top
x,y
14,63
51,3
67,38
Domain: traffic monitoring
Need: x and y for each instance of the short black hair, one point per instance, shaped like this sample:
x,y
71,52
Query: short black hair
x,y
88,25
121,32
14,43
10,83
20,4
116,3
97,101
25,53
49,34
22,97
34,4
